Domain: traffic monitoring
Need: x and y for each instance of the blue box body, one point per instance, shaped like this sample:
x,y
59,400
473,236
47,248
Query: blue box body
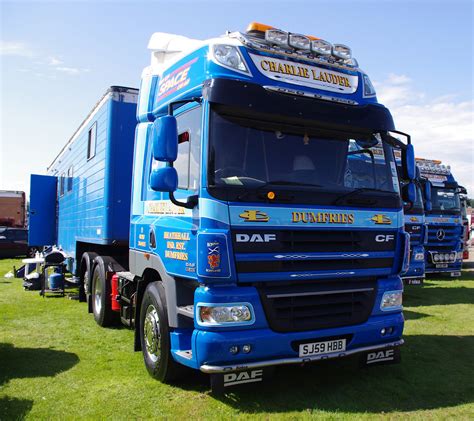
x,y
94,207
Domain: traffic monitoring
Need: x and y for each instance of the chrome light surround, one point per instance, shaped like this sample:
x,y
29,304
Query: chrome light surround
x,y
299,42
277,36
369,89
224,314
321,47
229,56
341,51
419,256
392,300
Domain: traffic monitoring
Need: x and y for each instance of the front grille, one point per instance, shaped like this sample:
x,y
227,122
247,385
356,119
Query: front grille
x,y
311,305
291,241
416,233
312,265
443,235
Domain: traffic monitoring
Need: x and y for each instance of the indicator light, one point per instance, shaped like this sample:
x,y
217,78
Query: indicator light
x,y
271,195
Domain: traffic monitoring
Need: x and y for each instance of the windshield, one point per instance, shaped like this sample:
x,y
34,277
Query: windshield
x,y
445,201
417,208
247,155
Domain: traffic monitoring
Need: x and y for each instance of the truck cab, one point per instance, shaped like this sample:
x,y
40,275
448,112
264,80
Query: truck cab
x,y
258,214
444,248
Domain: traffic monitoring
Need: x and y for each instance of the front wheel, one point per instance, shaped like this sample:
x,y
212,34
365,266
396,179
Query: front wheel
x,y
155,335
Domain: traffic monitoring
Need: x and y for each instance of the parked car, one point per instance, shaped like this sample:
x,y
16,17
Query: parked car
x,y
14,242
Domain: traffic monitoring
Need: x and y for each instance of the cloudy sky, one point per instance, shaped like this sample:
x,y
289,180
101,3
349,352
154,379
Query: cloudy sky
x,y
57,58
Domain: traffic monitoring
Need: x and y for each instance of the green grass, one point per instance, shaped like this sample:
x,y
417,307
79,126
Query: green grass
x,y
55,362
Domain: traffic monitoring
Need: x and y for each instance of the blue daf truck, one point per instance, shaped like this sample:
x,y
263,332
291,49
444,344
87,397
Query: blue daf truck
x,y
444,247
253,230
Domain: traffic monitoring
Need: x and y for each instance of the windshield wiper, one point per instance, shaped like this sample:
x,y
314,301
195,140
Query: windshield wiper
x,y
355,192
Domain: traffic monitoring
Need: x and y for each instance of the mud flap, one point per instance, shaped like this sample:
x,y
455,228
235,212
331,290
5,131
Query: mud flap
x,y
224,382
380,357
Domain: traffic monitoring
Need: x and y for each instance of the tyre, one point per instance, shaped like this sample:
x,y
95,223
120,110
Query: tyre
x,y
155,336
100,296
85,284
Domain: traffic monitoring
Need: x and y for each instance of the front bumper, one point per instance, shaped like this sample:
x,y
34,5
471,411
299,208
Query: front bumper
x,y
212,349
214,369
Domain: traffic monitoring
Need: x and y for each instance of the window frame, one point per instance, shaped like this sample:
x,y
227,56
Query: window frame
x,y
91,141
62,179
70,175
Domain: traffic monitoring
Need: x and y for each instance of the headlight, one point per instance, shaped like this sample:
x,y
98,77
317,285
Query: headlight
x,y
276,36
459,255
341,51
299,42
226,314
391,300
436,258
419,256
446,256
321,47
452,256
229,56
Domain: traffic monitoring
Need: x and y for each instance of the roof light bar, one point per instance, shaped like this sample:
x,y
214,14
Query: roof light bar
x,y
277,36
341,51
300,42
321,47
258,27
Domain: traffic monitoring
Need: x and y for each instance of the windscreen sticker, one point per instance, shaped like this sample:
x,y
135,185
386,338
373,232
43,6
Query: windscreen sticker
x,y
305,75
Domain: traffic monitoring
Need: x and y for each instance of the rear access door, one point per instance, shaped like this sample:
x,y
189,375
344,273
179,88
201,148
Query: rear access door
x,y
42,223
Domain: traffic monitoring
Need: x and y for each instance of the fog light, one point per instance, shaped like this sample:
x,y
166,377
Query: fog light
x,y
383,331
246,349
234,349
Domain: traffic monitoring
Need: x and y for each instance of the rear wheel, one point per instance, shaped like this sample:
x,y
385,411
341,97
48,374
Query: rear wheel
x,y
100,296
155,336
85,284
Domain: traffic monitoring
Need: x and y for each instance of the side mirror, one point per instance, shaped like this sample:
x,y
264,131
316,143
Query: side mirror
x,y
164,179
165,139
408,162
409,193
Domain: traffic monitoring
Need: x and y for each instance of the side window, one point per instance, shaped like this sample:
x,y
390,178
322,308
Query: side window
x,y
91,141
69,178
189,148
61,184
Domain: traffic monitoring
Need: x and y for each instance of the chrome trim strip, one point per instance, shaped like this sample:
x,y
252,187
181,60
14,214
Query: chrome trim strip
x,y
304,294
213,369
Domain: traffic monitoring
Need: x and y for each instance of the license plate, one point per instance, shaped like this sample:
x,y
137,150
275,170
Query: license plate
x,y
318,348
441,265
